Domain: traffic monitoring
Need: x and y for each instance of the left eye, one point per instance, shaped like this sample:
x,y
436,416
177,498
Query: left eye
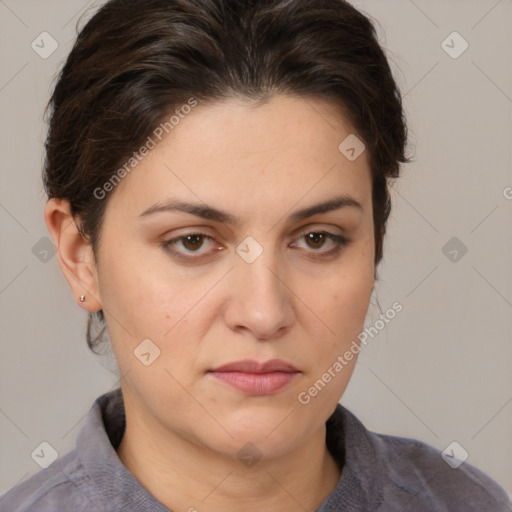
x,y
192,243
318,239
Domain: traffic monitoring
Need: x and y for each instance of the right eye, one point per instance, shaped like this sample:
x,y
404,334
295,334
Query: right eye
x,y
191,243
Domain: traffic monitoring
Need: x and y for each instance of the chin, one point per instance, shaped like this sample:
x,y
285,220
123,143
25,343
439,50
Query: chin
x,y
250,447
270,427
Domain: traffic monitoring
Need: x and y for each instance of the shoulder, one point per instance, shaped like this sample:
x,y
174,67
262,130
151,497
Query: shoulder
x,y
437,481
61,486
399,473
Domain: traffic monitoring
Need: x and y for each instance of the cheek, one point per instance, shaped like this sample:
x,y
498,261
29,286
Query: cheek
x,y
342,302
139,292
342,307
166,307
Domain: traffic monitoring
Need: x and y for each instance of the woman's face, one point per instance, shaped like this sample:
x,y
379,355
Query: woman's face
x,y
261,284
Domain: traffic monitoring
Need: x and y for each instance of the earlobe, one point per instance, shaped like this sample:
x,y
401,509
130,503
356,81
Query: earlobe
x,y
74,253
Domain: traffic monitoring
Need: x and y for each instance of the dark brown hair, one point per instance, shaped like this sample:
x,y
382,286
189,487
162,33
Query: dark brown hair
x,y
136,61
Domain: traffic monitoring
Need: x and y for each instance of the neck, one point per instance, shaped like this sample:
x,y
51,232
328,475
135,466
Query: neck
x,y
183,475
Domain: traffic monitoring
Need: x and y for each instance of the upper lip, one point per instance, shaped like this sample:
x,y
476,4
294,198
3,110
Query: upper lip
x,y
250,366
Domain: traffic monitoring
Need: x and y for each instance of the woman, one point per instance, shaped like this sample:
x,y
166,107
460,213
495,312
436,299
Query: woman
x,y
217,180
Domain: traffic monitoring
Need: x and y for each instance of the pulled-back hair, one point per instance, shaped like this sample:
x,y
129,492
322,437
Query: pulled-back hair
x,y
136,61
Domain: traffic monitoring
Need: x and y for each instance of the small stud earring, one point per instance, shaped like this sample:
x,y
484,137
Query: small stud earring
x,y
82,298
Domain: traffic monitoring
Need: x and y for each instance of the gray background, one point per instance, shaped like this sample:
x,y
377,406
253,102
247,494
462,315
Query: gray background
x,y
439,372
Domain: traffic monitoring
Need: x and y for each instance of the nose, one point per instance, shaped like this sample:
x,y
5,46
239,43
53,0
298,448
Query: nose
x,y
261,299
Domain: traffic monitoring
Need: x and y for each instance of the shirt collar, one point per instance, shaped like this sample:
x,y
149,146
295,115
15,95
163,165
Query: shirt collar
x,y
96,444
354,448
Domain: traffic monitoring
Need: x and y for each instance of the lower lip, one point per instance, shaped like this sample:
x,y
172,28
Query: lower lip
x,y
256,383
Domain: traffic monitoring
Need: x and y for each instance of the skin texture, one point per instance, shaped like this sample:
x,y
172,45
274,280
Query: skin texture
x,y
184,428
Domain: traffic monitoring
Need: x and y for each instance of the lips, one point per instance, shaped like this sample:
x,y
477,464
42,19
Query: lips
x,y
256,378
248,366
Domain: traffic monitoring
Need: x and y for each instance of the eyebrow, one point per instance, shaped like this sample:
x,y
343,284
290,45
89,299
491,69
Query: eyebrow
x,y
208,212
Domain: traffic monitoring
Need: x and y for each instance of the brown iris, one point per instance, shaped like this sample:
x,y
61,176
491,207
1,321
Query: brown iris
x,y
192,242
317,238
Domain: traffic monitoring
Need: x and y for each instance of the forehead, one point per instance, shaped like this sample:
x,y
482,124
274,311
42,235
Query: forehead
x,y
284,125
234,152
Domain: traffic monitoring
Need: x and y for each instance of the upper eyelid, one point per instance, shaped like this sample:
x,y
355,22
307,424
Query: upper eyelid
x,y
299,235
200,230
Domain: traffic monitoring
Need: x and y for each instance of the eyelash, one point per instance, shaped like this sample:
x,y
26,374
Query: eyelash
x,y
340,242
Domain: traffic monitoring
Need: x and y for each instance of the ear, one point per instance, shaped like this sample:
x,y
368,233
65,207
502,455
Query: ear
x,y
76,258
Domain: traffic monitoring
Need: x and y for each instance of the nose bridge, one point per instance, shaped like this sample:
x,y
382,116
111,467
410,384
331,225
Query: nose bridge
x,y
262,276
260,300
258,267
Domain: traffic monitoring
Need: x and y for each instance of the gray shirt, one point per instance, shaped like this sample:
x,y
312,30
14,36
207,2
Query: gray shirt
x,y
380,473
